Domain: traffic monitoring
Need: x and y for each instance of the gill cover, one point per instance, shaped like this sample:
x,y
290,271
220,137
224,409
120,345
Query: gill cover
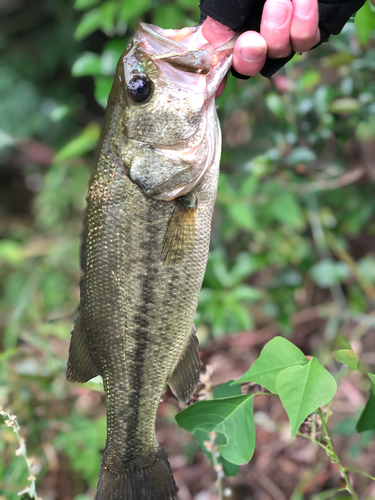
x,y
170,90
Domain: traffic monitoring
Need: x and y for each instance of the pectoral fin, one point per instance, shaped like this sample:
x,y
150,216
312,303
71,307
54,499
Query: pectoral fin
x,y
81,367
185,376
181,231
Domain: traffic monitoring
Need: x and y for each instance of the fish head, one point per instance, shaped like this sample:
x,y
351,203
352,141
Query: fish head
x,y
167,84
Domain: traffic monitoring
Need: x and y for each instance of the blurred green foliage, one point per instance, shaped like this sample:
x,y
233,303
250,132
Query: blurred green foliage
x,y
294,224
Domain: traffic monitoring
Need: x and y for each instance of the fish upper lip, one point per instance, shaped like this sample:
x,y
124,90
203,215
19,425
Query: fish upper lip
x,y
165,47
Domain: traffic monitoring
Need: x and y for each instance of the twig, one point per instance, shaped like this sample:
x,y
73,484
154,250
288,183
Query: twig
x,y
333,456
328,185
21,451
360,472
328,448
366,286
324,253
211,445
268,485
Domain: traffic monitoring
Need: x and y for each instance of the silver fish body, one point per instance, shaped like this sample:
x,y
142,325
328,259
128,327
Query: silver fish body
x,y
145,250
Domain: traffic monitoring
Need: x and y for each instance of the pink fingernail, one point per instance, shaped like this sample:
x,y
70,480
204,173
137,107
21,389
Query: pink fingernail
x,y
252,54
277,14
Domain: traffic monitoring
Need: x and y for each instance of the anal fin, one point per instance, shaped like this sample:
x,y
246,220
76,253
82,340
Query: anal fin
x,y
81,367
181,231
185,376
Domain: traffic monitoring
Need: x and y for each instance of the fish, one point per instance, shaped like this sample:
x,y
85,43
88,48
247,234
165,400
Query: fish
x,y
145,248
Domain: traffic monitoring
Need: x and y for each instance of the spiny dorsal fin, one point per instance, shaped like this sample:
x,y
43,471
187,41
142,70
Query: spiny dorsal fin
x,y
181,231
185,376
81,367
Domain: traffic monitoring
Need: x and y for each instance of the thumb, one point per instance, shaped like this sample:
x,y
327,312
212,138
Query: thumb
x,y
216,33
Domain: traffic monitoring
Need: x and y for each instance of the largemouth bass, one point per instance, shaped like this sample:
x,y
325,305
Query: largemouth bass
x,y
145,248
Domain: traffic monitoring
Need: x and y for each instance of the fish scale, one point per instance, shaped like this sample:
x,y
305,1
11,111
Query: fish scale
x,y
143,259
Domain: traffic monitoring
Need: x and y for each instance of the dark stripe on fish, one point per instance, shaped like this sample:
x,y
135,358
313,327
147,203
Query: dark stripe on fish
x,y
141,320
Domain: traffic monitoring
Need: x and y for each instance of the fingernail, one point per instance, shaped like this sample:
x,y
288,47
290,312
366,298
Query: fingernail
x,y
277,14
252,54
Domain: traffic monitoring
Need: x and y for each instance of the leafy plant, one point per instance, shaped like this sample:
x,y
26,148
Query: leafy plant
x,y
303,385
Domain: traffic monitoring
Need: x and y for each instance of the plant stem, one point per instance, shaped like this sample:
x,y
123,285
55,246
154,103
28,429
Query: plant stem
x,y
21,451
333,456
211,446
217,466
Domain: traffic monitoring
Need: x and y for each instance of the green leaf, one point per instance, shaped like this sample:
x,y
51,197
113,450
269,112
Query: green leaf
x,y
309,79
364,23
286,210
90,22
85,4
87,64
303,389
232,417
250,185
366,421
348,357
229,468
81,145
11,252
301,155
247,293
133,10
227,390
276,355
244,267
168,16
275,104
82,443
346,105
242,214
365,130
102,17
342,343
327,272
103,85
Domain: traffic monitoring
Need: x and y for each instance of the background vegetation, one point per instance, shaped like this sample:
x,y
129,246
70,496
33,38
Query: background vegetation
x,y
293,246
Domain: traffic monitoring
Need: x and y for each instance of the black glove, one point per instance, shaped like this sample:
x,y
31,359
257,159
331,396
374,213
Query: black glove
x,y
245,15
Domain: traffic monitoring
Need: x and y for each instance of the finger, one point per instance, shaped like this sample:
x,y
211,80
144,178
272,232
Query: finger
x,y
216,33
304,30
275,26
249,54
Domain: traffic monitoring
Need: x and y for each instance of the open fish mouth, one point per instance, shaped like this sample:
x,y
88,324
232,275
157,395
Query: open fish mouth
x,y
188,51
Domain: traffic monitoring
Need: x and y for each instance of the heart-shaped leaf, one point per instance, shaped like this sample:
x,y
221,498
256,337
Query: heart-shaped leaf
x,y
276,355
303,389
366,421
232,417
347,357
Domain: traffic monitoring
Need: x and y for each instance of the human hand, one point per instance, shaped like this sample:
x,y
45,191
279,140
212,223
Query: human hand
x,y
285,26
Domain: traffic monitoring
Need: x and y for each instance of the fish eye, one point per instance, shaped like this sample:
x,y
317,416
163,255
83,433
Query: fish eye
x,y
139,88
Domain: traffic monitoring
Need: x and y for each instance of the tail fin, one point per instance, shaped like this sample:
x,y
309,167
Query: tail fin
x,y
147,478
